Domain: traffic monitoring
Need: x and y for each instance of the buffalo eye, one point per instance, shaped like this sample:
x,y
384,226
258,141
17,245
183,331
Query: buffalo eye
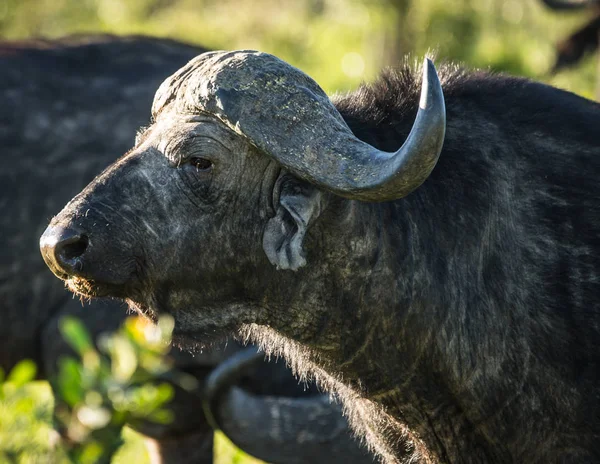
x,y
201,164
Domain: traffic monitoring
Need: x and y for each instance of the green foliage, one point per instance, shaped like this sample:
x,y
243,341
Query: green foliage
x,y
98,393
26,434
103,390
338,42
22,373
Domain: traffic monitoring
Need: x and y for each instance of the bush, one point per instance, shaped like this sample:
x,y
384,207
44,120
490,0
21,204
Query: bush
x,y
123,381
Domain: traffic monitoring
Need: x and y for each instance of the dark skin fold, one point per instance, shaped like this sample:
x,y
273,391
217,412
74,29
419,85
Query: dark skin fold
x,y
68,109
460,322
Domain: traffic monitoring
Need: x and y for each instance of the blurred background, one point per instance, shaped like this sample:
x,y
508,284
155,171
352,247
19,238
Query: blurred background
x,y
338,42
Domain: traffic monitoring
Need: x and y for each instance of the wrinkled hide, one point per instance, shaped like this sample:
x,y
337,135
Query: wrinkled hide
x,y
68,109
463,318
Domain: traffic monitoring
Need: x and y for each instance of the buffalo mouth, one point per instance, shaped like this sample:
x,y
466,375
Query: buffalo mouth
x,y
211,325
89,288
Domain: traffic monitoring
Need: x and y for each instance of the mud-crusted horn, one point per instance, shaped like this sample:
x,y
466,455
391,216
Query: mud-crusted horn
x,y
285,114
278,429
570,4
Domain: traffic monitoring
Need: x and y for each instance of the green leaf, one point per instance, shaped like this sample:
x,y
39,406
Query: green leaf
x,y
22,373
89,453
69,381
161,416
76,335
124,359
165,393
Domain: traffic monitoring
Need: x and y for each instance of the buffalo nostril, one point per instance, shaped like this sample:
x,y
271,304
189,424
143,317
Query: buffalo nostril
x,y
72,248
63,250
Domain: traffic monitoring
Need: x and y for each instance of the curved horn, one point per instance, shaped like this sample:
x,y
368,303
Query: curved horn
x,y
289,430
569,5
285,114
381,175
277,429
224,376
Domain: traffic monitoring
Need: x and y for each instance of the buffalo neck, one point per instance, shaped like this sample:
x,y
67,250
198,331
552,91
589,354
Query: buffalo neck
x,y
384,306
443,295
397,333
370,342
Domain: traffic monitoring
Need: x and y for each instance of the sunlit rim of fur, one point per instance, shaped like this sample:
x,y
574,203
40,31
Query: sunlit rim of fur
x,y
369,422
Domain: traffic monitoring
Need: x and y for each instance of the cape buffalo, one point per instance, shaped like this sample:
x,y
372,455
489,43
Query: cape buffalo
x,y
448,290
67,108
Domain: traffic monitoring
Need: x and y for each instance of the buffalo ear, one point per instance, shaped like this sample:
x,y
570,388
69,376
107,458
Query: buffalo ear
x,y
298,205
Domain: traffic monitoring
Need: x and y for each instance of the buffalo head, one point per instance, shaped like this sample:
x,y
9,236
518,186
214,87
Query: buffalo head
x,y
246,164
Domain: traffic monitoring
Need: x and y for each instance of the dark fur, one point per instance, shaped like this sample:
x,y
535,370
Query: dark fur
x,y
68,108
467,311
495,307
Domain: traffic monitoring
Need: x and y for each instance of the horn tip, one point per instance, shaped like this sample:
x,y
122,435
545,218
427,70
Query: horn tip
x,y
428,65
430,82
